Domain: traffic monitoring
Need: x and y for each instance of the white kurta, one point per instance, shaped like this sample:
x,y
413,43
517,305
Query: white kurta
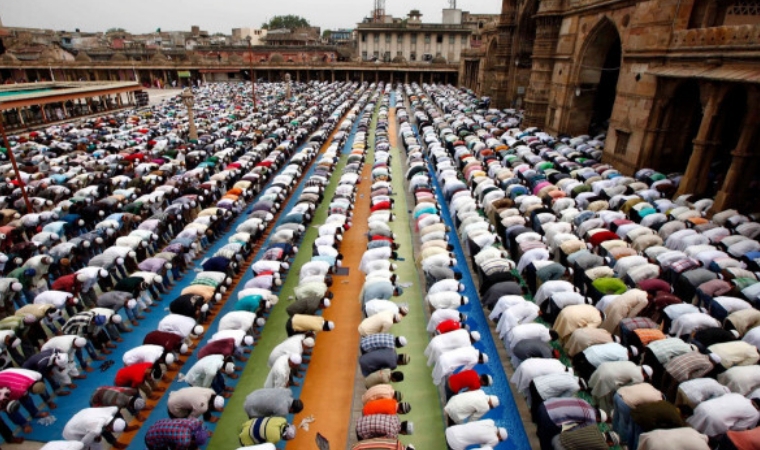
x,y
290,346
445,342
87,425
142,354
728,412
467,406
279,374
481,432
448,362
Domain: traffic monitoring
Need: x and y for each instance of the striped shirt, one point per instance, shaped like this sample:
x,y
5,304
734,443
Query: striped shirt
x,y
556,385
378,426
689,366
377,341
666,349
570,410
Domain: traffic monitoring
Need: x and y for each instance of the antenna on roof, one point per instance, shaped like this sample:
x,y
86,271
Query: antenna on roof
x,y
379,11
453,4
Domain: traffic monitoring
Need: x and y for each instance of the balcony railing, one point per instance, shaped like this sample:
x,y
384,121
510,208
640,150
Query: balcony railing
x,y
716,37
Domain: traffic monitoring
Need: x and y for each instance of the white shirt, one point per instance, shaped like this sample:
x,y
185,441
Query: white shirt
x,y
728,412
142,354
467,406
290,346
237,320
448,285
279,374
536,367
86,425
550,288
448,362
377,305
237,335
481,432
441,315
503,303
177,324
526,331
55,298
445,342
520,313
445,300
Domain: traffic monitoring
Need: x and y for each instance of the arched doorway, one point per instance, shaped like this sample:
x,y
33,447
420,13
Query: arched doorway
x,y
596,86
680,127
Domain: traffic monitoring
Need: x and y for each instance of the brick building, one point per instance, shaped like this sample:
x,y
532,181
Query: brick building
x,y
674,84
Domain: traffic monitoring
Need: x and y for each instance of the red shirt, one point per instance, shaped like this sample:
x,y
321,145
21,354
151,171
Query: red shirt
x,y
169,341
224,347
467,379
448,326
66,283
381,406
381,206
132,376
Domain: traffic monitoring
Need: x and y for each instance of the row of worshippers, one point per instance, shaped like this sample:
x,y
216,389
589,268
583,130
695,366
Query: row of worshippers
x,y
578,324
379,360
268,407
145,364
89,324
452,350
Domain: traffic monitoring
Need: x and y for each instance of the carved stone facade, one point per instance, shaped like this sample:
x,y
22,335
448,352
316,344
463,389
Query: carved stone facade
x,y
672,84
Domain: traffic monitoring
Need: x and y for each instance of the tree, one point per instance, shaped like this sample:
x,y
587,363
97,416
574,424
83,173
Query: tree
x,y
290,22
116,30
327,34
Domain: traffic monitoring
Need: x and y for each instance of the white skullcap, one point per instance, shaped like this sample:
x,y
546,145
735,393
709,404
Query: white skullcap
x,y
602,416
204,308
495,402
16,286
80,342
503,433
131,303
485,358
465,300
261,321
736,334
139,403
295,359
198,330
327,302
183,349
330,325
715,358
217,296
81,277
218,402
475,336
402,341
120,261
16,343
116,319
248,340
119,425
170,358
308,342
29,318
132,254
229,368
647,370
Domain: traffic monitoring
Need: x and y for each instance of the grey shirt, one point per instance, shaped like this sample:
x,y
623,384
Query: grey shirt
x,y
268,402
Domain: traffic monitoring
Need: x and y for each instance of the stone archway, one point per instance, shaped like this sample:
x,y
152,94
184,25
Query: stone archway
x,y
731,115
595,87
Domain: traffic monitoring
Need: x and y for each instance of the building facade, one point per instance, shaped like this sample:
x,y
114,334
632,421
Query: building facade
x,y
411,40
672,84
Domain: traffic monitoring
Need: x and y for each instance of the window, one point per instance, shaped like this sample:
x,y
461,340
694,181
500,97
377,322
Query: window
x,y
427,38
364,38
364,56
376,55
400,39
377,37
399,53
388,38
439,39
622,142
414,39
452,40
413,56
464,39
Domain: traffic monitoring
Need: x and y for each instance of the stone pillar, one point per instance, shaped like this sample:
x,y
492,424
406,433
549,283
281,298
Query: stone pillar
x,y
406,77
744,159
506,32
657,117
695,178
544,48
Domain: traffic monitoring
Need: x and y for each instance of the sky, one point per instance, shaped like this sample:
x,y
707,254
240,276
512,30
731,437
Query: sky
x,y
143,16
